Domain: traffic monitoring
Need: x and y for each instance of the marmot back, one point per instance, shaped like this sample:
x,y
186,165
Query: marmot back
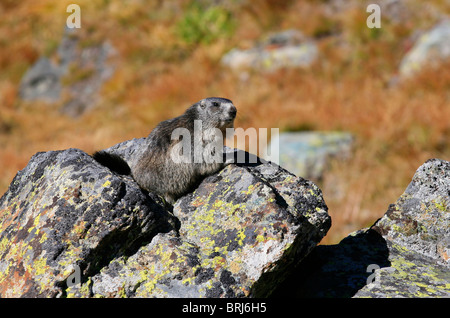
x,y
172,164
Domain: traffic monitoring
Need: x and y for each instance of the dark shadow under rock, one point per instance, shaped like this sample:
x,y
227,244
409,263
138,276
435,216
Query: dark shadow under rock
x,y
337,270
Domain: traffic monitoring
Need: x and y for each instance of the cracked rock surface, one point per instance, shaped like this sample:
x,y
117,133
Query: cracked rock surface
x,y
238,234
406,253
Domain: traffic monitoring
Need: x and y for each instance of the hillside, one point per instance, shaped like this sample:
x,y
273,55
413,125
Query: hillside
x,y
165,55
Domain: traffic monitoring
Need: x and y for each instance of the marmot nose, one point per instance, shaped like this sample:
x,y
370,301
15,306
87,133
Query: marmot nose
x,y
232,111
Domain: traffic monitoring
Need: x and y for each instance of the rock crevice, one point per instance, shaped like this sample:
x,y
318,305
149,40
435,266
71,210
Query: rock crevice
x,y
64,211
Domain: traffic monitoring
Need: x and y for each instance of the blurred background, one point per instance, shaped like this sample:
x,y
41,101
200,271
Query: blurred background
x,y
359,109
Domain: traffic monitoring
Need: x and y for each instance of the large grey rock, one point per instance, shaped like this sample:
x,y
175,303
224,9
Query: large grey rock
x,y
417,232
64,211
308,153
420,219
41,81
71,227
404,254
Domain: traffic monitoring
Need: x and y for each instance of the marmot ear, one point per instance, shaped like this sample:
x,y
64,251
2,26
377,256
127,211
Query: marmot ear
x,y
202,103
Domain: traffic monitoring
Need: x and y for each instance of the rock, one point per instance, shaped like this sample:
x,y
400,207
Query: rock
x,y
65,210
404,254
71,227
307,153
41,81
417,232
431,47
285,49
420,219
78,74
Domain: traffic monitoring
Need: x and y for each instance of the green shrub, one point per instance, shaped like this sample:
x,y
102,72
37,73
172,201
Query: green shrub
x,y
201,24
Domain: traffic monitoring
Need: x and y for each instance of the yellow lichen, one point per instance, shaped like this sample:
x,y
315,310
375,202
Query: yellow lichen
x,y
249,190
241,236
40,266
4,244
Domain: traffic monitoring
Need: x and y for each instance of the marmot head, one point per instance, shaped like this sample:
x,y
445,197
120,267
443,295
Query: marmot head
x,y
216,112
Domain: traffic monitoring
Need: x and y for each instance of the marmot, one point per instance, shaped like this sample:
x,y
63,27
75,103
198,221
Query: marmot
x,y
173,172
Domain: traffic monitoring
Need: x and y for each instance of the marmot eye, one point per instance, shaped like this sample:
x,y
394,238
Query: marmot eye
x,y
215,104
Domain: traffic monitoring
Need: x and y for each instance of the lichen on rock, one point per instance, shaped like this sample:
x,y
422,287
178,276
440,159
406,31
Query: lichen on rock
x,y
63,210
70,227
403,254
236,235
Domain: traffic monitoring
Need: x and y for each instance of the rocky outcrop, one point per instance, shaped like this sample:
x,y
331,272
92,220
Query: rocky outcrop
x,y
70,227
406,253
416,230
65,210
